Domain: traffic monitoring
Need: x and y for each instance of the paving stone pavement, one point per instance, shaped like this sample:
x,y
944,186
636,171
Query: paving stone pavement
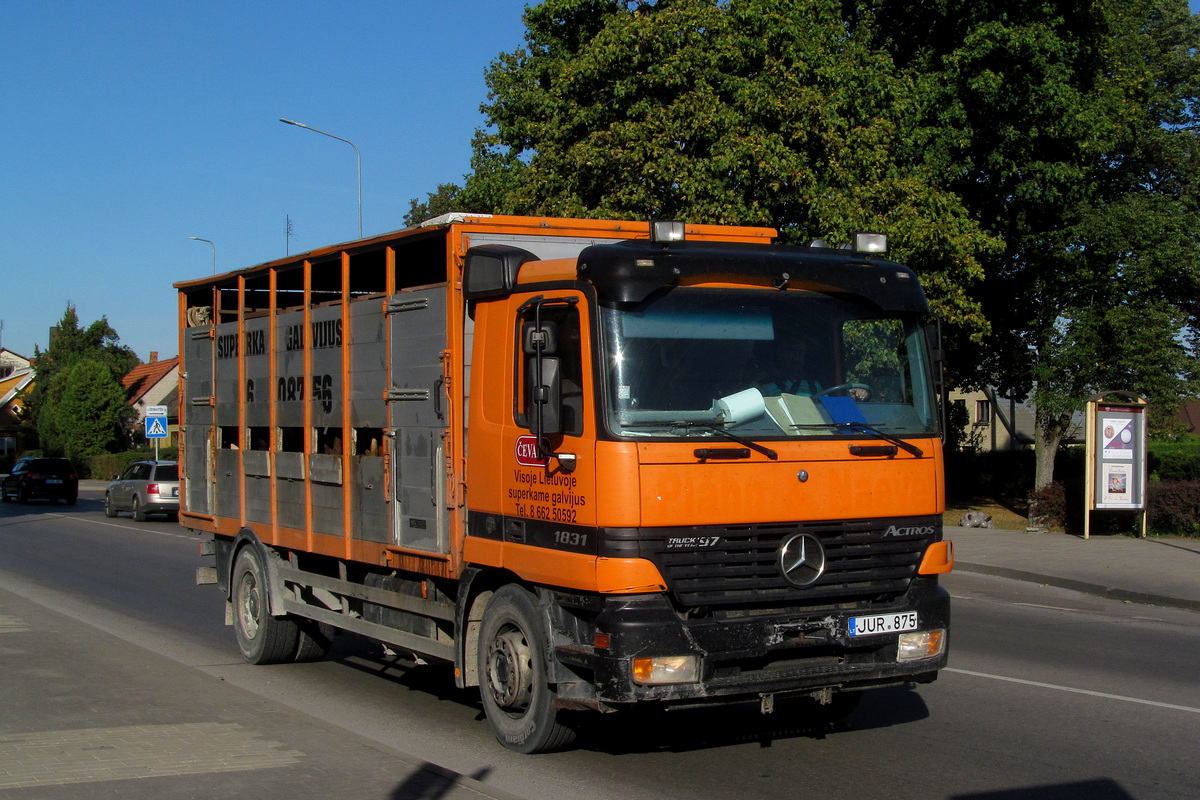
x,y
81,717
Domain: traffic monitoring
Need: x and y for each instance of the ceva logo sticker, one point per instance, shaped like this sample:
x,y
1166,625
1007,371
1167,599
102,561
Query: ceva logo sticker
x,y
527,452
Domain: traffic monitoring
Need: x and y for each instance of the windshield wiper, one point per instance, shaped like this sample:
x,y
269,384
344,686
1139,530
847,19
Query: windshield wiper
x,y
907,446
708,426
766,451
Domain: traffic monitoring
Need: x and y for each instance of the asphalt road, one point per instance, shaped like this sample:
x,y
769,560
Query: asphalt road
x,y
1050,694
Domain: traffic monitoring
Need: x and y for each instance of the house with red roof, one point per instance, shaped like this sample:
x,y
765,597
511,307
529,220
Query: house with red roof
x,y
16,377
156,384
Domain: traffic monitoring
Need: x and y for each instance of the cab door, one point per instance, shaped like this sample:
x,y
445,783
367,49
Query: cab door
x,y
549,492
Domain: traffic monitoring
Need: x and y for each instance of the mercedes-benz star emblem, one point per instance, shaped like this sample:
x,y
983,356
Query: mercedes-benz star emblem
x,y
802,559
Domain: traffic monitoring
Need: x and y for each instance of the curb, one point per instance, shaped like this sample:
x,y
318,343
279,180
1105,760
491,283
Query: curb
x,y
1107,592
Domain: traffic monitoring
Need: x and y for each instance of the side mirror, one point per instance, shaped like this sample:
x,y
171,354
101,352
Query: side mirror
x,y
544,393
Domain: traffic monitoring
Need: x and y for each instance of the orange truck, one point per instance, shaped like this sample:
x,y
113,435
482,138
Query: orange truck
x,y
587,464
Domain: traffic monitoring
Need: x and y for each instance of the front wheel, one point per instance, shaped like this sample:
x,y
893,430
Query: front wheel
x,y
262,638
513,683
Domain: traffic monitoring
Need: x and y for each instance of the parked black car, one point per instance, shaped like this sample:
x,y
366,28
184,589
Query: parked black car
x,y
41,478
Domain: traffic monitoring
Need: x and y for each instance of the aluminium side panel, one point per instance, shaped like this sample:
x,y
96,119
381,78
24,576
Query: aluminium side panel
x,y
197,412
369,417
226,377
258,372
417,322
325,468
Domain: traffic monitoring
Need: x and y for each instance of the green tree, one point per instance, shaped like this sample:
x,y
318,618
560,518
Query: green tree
x,y
770,112
70,345
1076,144
91,415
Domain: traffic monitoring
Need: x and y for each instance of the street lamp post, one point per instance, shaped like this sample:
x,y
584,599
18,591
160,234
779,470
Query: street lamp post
x,y
357,155
214,247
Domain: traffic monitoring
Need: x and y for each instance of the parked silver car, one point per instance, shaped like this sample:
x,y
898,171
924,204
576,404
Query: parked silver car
x,y
144,488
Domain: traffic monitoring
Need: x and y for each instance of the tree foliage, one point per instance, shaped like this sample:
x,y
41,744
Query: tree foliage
x,y
1077,124
70,346
91,415
1035,162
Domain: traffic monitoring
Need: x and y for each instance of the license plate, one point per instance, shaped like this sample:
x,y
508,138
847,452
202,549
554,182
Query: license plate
x,y
175,491
883,623
53,480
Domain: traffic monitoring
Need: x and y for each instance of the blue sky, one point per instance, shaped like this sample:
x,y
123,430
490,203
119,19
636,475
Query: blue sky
x,y
126,127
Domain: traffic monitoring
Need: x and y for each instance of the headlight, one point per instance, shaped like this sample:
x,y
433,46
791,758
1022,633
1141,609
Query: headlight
x,y
666,669
922,644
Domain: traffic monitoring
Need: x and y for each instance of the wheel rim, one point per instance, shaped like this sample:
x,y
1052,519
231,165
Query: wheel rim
x,y
510,669
248,605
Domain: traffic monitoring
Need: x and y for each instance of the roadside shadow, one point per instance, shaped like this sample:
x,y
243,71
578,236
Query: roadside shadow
x,y
652,728
647,730
1099,789
372,658
1195,550
431,782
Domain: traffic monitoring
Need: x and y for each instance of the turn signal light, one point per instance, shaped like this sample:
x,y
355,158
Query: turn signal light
x,y
666,669
923,644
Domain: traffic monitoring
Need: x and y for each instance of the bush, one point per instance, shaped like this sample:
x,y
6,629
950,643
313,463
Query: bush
x,y
1173,508
998,474
1048,507
103,467
1174,461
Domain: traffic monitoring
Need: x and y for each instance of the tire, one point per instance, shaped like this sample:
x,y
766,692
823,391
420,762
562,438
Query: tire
x,y
139,513
263,639
71,499
513,684
4,495
110,510
23,495
313,640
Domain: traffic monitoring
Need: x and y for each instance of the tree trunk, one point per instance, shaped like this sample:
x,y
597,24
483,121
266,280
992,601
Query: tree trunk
x,y
1048,434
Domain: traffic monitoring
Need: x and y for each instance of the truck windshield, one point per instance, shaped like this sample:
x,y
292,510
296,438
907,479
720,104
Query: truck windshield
x,y
783,364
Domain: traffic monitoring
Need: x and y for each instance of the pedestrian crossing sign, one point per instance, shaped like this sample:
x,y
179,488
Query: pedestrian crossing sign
x,y
156,427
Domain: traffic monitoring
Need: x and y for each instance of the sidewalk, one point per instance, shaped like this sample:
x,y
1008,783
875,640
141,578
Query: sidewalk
x,y
1162,571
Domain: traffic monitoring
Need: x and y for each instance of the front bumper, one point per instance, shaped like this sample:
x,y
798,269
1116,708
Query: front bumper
x,y
744,656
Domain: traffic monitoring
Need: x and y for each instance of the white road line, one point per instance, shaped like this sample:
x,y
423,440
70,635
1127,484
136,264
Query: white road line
x,y
1050,608
78,518
1073,690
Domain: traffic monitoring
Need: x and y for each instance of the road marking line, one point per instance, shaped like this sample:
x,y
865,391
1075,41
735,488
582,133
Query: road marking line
x,y
122,527
1050,608
53,758
1073,690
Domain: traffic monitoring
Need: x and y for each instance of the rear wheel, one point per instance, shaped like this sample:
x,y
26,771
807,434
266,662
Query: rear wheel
x,y
313,641
139,513
110,510
513,680
263,639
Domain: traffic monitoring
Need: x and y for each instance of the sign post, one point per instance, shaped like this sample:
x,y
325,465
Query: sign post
x,y
1116,456
156,425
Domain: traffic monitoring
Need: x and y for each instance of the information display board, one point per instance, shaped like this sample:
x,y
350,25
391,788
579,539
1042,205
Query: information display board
x,y
1116,456
1121,435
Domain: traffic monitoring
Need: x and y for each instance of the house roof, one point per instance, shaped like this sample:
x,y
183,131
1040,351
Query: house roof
x,y
145,376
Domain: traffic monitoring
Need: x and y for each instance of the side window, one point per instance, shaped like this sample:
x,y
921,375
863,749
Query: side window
x,y
564,344
127,475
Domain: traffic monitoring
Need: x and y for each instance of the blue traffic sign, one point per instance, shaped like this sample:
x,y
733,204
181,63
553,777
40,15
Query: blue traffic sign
x,y
156,427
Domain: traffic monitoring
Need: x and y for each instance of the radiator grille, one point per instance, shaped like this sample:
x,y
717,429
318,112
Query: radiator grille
x,y
861,563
